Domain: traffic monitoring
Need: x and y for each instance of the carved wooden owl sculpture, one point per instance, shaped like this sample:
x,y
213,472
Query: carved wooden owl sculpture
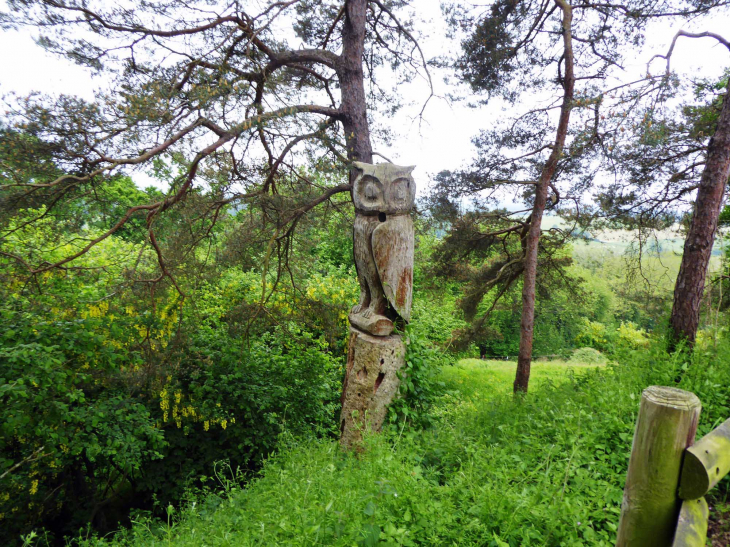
x,y
383,244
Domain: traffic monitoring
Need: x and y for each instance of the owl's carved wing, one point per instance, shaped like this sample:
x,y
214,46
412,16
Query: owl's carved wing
x,y
393,252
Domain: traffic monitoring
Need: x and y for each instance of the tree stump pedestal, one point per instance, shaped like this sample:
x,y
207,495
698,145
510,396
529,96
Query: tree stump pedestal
x,y
371,383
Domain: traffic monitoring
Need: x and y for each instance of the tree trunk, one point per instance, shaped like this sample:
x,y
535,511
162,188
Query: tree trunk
x,y
354,118
524,358
352,84
698,246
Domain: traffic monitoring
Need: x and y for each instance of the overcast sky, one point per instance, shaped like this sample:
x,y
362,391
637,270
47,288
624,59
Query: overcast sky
x,y
441,141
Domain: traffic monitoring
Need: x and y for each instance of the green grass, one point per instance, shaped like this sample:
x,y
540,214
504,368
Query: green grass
x,y
487,378
546,469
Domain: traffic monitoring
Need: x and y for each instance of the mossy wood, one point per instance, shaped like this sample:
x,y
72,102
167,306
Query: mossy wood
x,y
692,524
706,463
371,383
666,425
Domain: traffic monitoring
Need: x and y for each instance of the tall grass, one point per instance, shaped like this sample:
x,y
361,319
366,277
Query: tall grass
x,y
544,470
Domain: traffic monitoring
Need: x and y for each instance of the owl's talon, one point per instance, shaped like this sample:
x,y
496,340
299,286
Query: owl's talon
x,y
356,309
367,313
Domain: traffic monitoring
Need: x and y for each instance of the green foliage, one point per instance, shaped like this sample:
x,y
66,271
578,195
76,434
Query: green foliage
x,y
630,336
420,384
588,355
112,397
545,470
227,402
593,335
72,436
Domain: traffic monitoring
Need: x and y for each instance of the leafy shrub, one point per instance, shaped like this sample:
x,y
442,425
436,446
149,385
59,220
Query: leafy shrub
x,y
593,335
227,402
630,336
588,355
420,384
72,436
547,469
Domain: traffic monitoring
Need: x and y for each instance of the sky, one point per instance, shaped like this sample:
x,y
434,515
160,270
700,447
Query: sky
x,y
442,140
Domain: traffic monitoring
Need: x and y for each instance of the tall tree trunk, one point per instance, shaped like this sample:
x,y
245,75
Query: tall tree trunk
x,y
524,358
352,84
354,117
690,284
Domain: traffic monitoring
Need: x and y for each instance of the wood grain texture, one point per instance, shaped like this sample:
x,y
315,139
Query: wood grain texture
x,y
666,425
706,463
692,524
371,384
393,252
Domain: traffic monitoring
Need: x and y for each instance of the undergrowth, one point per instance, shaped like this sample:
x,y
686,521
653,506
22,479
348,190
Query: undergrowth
x,y
491,470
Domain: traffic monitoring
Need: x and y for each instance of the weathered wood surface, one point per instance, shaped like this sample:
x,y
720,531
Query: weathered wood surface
x,y
393,252
706,463
383,188
371,383
383,242
666,425
692,524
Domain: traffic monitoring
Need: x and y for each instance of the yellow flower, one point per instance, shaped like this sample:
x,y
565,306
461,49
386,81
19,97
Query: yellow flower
x,y
33,487
206,425
224,424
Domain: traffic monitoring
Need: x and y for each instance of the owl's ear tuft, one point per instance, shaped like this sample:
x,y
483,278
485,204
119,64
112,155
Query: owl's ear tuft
x,y
410,169
360,165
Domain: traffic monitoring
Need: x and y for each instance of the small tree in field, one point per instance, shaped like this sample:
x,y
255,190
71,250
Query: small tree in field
x,y
562,53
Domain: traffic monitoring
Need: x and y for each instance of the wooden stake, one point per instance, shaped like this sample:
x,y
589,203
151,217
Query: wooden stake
x,y
692,525
666,425
706,463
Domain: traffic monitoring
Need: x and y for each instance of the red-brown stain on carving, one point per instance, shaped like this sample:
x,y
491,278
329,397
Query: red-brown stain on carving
x,y
404,285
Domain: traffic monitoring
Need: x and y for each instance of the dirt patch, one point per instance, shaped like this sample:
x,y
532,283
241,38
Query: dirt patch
x,y
718,531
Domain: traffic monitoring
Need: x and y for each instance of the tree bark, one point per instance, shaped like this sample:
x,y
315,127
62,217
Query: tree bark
x,y
690,283
352,84
524,358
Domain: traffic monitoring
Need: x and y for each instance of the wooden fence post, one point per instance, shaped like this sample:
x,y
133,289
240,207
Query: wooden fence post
x,y
692,524
666,425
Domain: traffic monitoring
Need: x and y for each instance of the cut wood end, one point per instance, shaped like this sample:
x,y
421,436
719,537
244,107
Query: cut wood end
x,y
694,482
672,397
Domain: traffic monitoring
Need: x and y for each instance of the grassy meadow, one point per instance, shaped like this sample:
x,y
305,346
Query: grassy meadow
x,y
544,470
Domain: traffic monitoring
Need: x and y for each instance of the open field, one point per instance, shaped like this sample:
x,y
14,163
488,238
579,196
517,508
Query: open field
x,y
486,378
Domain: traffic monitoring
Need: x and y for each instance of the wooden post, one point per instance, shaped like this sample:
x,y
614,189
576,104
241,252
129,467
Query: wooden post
x,y
692,524
666,425
371,384
706,463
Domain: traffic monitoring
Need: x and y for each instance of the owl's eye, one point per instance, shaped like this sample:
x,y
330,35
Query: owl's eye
x,y
370,188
